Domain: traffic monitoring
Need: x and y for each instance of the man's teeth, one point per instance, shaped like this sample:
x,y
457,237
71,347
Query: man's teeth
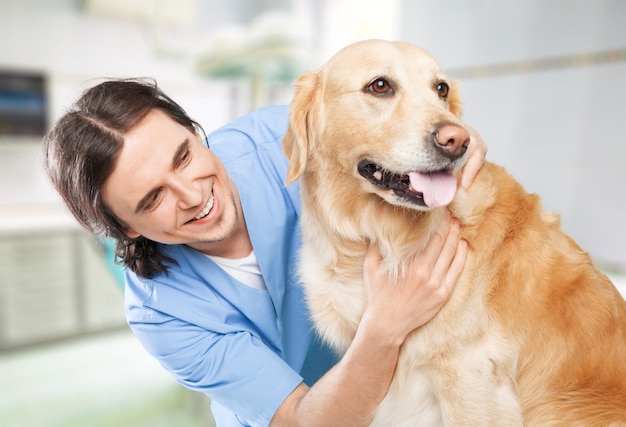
x,y
206,209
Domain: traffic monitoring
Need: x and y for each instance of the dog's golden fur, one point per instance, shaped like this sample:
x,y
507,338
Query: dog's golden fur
x,y
533,333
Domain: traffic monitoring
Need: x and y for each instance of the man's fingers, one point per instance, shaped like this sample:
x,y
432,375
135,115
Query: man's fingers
x,y
431,253
470,170
372,261
448,251
478,153
457,265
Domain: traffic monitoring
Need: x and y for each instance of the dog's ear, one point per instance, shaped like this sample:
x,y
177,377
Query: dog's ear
x,y
454,99
296,139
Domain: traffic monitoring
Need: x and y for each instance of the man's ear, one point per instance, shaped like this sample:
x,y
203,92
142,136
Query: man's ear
x,y
296,140
132,234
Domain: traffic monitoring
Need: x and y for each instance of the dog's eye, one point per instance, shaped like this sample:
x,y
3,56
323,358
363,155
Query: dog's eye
x,y
380,87
442,89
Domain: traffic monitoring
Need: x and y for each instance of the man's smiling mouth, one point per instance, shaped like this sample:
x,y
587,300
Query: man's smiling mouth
x,y
206,209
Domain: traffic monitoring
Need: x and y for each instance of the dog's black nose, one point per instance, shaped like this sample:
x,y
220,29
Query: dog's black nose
x,y
452,139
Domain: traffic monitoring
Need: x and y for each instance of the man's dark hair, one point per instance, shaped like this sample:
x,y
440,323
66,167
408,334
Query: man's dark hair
x,y
81,150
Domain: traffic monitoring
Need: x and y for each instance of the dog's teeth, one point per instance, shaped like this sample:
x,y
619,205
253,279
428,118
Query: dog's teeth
x,y
378,175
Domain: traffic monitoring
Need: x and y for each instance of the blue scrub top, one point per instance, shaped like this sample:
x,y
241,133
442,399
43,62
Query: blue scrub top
x,y
244,347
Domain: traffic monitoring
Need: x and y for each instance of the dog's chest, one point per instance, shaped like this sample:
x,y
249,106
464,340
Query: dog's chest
x,y
439,386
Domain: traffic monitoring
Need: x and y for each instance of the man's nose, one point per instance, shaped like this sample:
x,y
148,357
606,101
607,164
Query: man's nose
x,y
189,193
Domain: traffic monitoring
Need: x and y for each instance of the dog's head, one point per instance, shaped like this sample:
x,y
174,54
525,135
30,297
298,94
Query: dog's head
x,y
382,116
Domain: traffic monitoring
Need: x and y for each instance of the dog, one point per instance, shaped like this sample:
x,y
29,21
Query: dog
x,y
533,333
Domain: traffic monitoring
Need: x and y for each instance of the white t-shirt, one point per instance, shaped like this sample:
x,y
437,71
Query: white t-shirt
x,y
246,269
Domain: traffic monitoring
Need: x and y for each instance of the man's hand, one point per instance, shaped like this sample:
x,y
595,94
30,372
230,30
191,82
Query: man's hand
x,y
400,305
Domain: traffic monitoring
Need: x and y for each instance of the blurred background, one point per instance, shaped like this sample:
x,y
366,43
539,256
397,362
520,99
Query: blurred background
x,y
544,82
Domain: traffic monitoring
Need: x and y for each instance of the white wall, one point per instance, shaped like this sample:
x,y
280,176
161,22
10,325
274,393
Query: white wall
x,y
557,130
557,126
74,48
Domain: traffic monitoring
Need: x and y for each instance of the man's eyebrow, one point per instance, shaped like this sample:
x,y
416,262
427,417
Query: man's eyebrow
x,y
176,159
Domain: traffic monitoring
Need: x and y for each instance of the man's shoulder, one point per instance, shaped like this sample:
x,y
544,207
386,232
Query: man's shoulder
x,y
247,133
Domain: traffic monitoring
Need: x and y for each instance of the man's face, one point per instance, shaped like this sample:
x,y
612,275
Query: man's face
x,y
168,187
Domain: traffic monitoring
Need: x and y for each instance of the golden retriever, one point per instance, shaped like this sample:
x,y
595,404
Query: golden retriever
x,y
533,333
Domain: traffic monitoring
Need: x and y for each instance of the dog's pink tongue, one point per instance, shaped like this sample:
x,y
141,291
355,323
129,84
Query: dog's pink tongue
x,y
438,188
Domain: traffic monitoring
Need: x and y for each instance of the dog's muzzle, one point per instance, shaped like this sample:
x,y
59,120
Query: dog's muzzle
x,y
426,189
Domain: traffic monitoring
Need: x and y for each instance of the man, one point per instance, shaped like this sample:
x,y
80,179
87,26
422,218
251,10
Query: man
x,y
209,238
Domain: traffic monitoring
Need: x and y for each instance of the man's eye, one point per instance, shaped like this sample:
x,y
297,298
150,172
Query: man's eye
x,y
153,201
185,158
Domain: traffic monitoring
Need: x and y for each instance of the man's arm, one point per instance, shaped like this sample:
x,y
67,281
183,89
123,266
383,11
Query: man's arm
x,y
350,392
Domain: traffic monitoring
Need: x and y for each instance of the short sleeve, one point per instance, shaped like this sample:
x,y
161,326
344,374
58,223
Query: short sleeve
x,y
236,370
